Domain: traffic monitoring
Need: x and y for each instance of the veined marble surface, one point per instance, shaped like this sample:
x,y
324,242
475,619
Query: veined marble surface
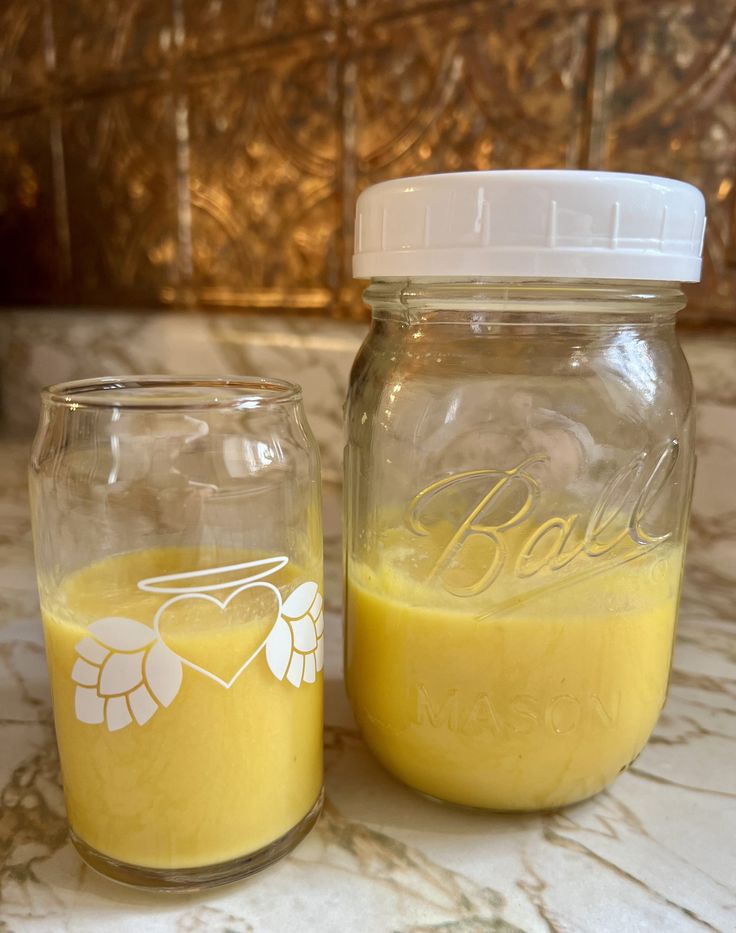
x,y
42,347
657,851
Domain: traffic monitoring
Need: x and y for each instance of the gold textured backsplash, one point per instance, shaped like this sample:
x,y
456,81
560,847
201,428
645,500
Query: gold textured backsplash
x,y
209,152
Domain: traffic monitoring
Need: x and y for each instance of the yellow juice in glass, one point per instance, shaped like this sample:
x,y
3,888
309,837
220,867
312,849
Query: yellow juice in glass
x,y
227,764
514,702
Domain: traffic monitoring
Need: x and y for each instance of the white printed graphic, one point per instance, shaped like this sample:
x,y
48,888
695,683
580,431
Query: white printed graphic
x,y
267,566
221,604
126,670
123,672
295,645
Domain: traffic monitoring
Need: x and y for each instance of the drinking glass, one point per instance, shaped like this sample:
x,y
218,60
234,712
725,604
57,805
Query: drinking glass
x,y
178,540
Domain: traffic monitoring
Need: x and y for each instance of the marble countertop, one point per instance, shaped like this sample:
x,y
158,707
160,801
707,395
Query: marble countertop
x,y
657,851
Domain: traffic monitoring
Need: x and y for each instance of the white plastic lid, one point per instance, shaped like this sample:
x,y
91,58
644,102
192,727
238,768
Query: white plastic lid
x,y
547,224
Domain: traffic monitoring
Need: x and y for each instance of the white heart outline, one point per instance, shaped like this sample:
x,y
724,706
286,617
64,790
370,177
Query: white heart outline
x,y
222,604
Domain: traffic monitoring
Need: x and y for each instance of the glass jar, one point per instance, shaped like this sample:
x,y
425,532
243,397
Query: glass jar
x,y
177,531
518,470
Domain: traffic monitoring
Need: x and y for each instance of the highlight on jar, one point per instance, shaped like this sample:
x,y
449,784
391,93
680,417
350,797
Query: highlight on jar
x,y
518,475
185,638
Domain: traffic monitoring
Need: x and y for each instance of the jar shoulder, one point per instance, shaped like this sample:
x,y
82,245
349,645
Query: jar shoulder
x,y
415,380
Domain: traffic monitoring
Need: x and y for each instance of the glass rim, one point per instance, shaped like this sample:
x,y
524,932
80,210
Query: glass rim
x,y
104,392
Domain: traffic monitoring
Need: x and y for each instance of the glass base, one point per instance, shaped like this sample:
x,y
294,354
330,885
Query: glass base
x,y
206,876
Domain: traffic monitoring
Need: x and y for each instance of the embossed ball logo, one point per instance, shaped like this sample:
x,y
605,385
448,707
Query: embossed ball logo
x,y
126,670
618,527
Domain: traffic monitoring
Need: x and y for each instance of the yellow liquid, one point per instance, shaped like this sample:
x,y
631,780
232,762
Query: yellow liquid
x,y
537,705
217,774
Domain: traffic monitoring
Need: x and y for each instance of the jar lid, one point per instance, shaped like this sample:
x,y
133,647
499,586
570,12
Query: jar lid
x,y
546,224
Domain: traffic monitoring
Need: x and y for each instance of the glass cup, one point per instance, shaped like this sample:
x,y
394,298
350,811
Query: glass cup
x,y
178,540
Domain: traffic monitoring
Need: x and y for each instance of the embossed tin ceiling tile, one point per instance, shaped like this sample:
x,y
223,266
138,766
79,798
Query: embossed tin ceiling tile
x,y
474,89
362,11
120,151
265,212
667,55
214,25
296,105
22,65
673,112
32,255
99,38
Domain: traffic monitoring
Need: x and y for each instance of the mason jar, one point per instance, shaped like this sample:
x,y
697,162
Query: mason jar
x,y
178,540
518,474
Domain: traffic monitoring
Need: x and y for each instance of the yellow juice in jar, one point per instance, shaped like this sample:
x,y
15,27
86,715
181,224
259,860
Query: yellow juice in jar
x,y
218,773
509,702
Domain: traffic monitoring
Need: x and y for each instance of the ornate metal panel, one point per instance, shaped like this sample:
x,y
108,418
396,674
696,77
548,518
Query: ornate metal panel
x,y
209,152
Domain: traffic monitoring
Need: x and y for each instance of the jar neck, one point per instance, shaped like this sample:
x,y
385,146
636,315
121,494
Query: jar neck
x,y
424,300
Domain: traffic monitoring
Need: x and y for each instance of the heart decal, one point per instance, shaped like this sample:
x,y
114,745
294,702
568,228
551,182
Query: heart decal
x,y
126,670
201,614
